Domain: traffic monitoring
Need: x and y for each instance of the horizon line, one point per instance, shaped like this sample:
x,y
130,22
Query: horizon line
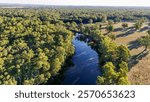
x,y
75,5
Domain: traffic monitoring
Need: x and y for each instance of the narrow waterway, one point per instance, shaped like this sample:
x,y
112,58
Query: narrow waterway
x,y
86,68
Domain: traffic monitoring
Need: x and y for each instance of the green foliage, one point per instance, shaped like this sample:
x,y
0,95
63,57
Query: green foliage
x,y
33,46
138,25
112,36
114,58
118,19
148,32
145,41
35,42
104,18
123,53
110,28
109,76
125,25
73,26
122,74
112,77
110,22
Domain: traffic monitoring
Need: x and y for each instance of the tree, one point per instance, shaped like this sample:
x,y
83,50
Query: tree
x,y
80,20
56,65
100,26
143,19
112,36
148,32
138,25
117,19
110,28
109,76
123,53
104,18
145,41
33,46
110,22
81,27
73,26
125,25
40,79
122,74
1,65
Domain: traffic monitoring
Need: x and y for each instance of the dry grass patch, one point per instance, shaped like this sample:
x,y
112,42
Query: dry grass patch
x,y
140,71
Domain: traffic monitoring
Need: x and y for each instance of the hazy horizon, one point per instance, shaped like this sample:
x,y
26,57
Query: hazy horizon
x,y
141,3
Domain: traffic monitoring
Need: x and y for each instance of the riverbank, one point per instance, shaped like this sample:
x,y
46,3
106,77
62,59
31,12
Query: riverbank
x,y
140,67
57,80
113,58
84,68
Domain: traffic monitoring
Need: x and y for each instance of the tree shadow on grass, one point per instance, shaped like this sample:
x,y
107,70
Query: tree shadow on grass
x,y
144,28
134,44
129,28
126,33
117,29
136,58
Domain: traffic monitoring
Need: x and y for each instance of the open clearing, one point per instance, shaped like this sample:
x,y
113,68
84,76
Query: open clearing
x,y
139,67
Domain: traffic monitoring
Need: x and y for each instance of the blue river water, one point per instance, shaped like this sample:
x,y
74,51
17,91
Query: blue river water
x,y
85,69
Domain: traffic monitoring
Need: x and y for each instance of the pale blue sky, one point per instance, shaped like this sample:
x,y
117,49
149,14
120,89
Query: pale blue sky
x,y
83,2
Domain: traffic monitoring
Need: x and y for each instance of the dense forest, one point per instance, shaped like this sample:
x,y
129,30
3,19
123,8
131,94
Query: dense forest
x,y
32,49
36,42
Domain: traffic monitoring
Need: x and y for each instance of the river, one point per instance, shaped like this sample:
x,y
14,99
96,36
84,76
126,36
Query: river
x,y
86,68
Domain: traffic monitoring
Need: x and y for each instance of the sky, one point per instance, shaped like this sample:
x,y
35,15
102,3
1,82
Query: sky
x,y
83,2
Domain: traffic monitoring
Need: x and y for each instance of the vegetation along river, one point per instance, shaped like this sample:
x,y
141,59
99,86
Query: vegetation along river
x,y
85,69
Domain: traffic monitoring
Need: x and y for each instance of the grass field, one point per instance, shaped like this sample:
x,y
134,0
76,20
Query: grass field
x,y
140,61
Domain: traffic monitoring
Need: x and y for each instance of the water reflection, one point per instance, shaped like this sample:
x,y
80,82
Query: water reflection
x,y
86,68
